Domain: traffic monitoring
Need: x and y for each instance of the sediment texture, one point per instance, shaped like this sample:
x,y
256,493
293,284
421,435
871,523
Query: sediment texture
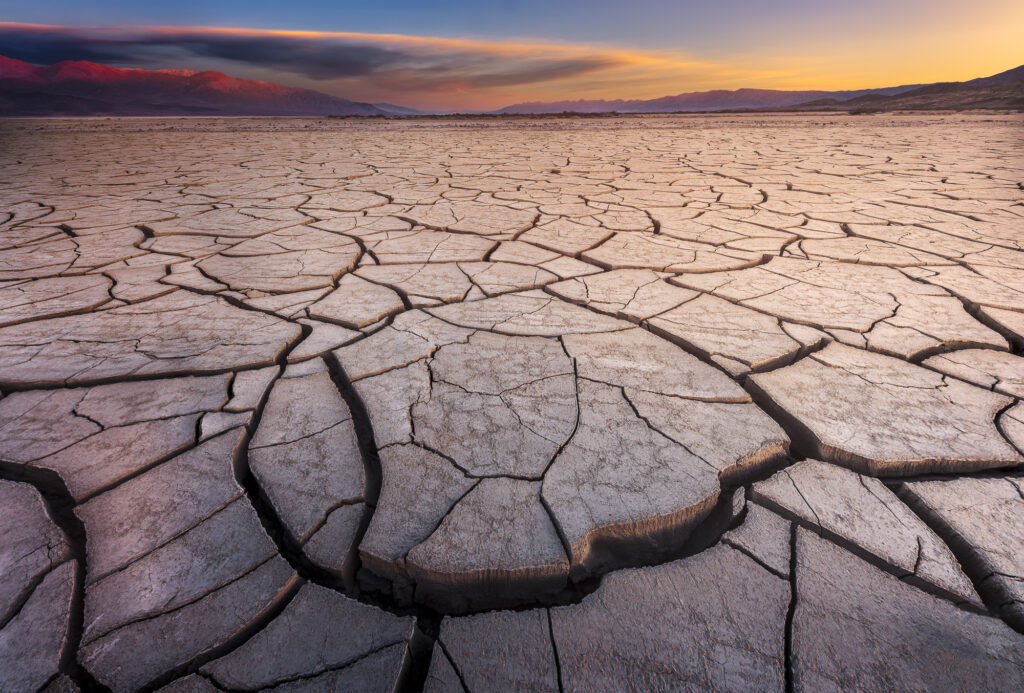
x,y
655,403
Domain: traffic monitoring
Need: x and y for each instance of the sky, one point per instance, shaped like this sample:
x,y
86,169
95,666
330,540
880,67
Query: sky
x,y
473,55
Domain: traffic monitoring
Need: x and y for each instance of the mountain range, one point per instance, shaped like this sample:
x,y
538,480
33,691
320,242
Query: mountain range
x,y
1005,90
81,88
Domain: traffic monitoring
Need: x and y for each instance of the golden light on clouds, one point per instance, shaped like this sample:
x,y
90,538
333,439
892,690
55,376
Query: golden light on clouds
x,y
473,73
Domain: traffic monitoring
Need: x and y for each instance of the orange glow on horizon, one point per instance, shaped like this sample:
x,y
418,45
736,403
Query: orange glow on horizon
x,y
616,72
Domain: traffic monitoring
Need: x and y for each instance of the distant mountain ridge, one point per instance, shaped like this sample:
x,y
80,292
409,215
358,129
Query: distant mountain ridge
x,y
1003,91
717,99
392,109
81,88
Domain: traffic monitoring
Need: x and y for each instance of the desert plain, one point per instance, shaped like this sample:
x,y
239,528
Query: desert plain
x,y
552,404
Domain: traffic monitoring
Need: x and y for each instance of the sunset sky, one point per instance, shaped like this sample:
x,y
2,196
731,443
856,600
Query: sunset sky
x,y
461,54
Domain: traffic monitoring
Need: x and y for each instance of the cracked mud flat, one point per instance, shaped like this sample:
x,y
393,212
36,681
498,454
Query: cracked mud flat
x,y
652,403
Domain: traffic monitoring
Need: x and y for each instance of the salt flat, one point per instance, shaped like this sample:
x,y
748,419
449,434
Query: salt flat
x,y
598,404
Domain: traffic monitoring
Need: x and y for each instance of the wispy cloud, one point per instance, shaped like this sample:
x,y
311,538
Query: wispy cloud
x,y
460,72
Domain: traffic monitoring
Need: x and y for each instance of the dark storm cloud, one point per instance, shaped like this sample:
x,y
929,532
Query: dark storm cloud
x,y
48,47
393,61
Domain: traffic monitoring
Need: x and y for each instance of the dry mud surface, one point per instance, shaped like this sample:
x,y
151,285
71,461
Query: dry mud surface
x,y
666,403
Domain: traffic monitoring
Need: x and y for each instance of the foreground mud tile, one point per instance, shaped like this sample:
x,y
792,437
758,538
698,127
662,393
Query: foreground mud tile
x,y
193,683
522,253
981,287
248,388
244,222
621,490
322,338
321,641
378,672
38,260
735,438
663,253
442,676
37,582
33,641
64,255
632,438
495,278
216,552
738,338
714,621
144,513
636,359
180,333
629,294
418,490
496,547
102,248
862,514
981,518
423,284
565,236
31,545
1012,425
876,307
95,437
527,313
288,305
43,298
390,397
498,405
296,259
412,336
431,246
134,284
137,653
62,684
995,370
882,416
344,200
357,303
765,537
471,217
649,454
305,455
498,650
856,627
1009,321
868,252
333,546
